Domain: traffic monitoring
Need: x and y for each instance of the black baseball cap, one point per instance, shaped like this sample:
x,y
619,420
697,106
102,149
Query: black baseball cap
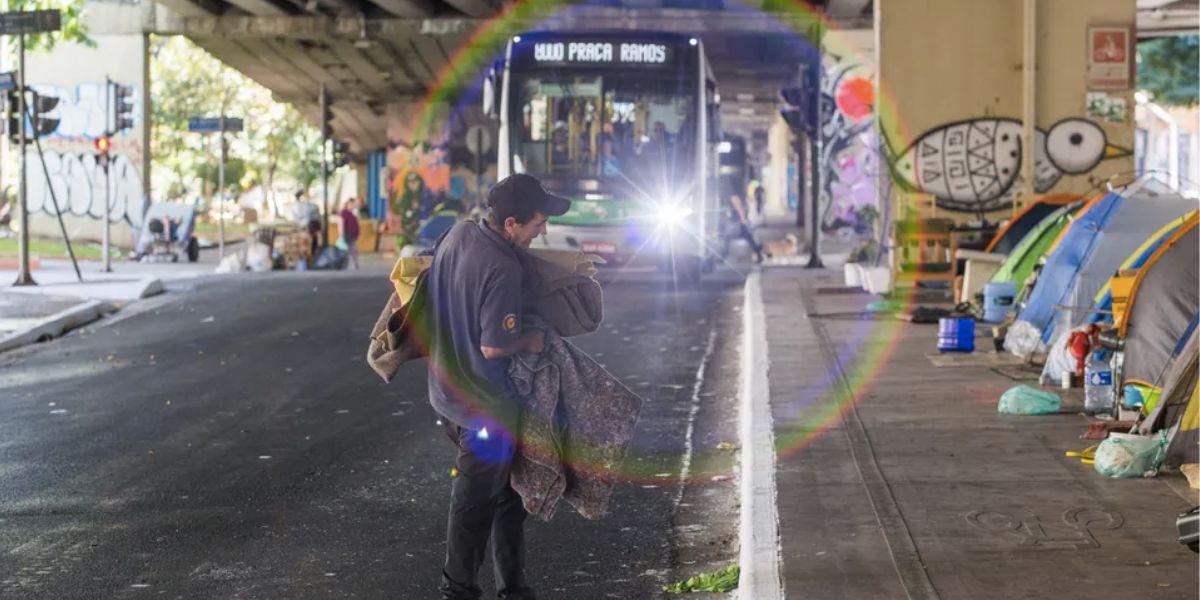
x,y
519,193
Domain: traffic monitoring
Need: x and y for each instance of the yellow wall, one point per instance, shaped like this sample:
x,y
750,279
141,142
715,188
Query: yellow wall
x,y
946,61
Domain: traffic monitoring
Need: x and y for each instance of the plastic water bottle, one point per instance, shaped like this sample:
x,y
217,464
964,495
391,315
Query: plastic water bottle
x,y
1098,397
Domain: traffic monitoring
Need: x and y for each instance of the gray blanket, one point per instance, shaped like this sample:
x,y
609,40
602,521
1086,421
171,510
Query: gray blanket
x,y
577,423
562,291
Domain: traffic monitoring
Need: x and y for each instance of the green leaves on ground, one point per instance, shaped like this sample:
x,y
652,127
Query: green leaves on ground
x,y
718,581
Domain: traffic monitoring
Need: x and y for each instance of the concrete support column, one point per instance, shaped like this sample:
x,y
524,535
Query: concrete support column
x,y
361,176
775,181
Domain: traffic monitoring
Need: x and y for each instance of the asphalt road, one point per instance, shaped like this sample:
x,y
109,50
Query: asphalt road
x,y
229,441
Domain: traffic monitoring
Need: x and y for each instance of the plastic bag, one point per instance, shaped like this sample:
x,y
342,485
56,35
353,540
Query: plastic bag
x,y
1125,456
1026,400
330,258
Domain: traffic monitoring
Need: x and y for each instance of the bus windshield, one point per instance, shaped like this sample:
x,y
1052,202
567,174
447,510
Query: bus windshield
x,y
612,125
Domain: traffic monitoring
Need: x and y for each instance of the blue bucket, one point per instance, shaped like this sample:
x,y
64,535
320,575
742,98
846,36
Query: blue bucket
x,y
998,300
956,335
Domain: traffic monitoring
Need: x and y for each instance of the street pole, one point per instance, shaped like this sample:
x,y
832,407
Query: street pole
x,y
814,228
324,169
23,275
221,193
108,127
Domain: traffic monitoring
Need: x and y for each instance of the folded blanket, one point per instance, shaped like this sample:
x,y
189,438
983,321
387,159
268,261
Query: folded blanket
x,y
564,293
577,423
561,290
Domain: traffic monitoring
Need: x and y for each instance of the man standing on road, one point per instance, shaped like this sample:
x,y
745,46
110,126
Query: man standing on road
x,y
476,293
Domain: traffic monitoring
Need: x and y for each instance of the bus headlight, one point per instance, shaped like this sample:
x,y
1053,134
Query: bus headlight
x,y
673,214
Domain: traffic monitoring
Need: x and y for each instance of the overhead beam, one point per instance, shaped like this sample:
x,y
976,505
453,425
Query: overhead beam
x,y
261,8
407,8
194,8
697,22
473,8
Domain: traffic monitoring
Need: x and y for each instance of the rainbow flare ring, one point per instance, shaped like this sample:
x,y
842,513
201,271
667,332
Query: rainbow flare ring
x,y
813,410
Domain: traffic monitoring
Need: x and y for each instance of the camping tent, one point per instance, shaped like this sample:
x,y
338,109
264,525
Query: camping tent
x,y
1180,405
1023,258
1027,220
1104,300
1184,450
1059,362
1163,305
1103,235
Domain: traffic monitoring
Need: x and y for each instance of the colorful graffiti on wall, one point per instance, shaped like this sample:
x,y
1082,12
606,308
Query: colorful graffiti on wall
x,y
417,175
423,176
975,165
71,171
847,151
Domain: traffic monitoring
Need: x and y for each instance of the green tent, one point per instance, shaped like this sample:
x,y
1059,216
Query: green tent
x,y
1024,257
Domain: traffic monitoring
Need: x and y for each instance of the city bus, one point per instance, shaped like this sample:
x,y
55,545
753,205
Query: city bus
x,y
625,125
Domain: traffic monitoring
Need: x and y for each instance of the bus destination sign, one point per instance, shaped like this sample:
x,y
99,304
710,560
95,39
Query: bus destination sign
x,y
601,53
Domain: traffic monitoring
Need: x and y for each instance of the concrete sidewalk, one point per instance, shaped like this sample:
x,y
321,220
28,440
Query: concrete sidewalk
x,y
898,479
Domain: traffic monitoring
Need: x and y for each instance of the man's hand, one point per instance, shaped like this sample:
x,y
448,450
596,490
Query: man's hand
x,y
533,340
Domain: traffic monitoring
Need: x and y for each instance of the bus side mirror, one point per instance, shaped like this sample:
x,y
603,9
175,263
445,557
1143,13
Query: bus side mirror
x,y
489,97
491,105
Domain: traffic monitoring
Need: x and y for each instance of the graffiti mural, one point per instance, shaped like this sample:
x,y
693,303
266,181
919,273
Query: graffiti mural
x,y
847,150
975,165
418,176
69,73
79,187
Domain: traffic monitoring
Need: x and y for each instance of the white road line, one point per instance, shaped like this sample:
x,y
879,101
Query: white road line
x,y
759,536
685,466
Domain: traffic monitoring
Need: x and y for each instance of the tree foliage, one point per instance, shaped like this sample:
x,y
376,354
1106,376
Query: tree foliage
x,y
1169,69
74,29
278,147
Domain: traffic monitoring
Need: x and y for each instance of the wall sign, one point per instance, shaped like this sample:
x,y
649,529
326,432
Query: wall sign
x,y
1110,58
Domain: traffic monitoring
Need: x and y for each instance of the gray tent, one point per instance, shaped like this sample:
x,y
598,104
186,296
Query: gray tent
x,y
1163,306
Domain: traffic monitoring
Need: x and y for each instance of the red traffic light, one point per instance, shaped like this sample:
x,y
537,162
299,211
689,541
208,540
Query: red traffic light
x,y
102,144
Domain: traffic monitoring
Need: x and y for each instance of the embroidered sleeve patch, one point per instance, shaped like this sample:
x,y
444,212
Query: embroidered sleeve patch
x,y
510,323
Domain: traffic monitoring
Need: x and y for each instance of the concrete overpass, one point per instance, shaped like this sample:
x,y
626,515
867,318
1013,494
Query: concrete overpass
x,y
376,54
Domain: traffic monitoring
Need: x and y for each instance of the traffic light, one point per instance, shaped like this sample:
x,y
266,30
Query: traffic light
x,y
13,109
102,144
122,107
42,123
800,113
326,115
37,106
341,154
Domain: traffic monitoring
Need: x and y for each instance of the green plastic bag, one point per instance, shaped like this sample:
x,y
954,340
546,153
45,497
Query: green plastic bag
x,y
1126,456
1026,400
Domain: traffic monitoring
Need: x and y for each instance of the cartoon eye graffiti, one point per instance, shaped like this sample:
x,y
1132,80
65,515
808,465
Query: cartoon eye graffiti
x,y
1076,146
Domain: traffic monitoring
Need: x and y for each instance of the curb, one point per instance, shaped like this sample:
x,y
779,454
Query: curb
x,y
759,523
57,324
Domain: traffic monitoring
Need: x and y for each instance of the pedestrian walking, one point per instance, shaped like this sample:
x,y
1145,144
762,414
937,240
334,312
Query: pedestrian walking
x,y
350,230
475,318
740,218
